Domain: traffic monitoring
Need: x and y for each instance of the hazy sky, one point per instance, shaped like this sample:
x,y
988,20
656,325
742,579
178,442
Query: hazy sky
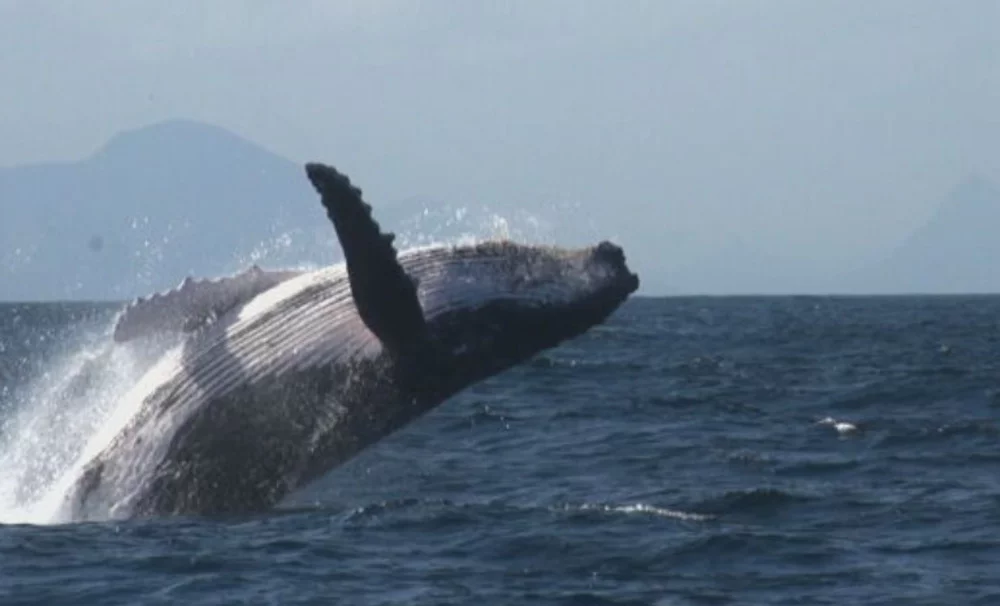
x,y
816,131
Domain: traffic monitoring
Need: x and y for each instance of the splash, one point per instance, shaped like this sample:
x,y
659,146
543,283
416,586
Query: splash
x,y
465,225
68,412
287,249
75,397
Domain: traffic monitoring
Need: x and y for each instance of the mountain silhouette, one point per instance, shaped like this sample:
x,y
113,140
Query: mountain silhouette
x,y
152,206
956,251
178,199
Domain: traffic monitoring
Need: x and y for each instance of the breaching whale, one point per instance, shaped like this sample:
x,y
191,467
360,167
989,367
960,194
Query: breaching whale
x,y
282,375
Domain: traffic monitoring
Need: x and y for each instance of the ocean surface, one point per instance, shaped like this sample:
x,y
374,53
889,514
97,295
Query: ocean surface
x,y
796,450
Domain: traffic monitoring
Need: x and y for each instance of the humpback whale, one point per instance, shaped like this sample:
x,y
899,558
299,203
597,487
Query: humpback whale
x,y
279,376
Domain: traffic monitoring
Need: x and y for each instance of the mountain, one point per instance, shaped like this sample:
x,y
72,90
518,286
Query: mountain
x,y
152,206
956,251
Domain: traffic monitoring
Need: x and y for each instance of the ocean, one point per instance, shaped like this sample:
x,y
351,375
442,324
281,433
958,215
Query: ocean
x,y
739,450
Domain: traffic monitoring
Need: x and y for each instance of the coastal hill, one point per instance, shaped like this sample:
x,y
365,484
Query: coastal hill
x,y
149,208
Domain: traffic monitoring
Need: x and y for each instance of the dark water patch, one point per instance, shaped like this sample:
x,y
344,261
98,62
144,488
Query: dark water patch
x,y
963,548
902,435
815,467
753,502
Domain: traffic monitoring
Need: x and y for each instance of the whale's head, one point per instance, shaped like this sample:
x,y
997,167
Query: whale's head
x,y
492,305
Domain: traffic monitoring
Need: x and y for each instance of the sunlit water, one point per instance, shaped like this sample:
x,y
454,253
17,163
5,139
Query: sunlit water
x,y
691,451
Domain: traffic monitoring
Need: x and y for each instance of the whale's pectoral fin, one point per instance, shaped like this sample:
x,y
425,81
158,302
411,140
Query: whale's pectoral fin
x,y
386,297
193,303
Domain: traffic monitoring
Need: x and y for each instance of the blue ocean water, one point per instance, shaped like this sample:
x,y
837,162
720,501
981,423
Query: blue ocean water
x,y
787,450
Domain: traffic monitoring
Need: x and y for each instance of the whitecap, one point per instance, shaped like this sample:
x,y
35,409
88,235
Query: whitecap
x,y
842,427
643,508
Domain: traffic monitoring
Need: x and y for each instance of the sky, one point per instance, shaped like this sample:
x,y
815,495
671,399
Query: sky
x,y
817,133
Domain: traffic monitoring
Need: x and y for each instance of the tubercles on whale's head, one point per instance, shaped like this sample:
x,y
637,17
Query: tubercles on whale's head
x,y
495,304
526,275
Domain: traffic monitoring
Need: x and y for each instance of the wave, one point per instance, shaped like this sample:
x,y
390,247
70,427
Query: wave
x,y
425,510
646,509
